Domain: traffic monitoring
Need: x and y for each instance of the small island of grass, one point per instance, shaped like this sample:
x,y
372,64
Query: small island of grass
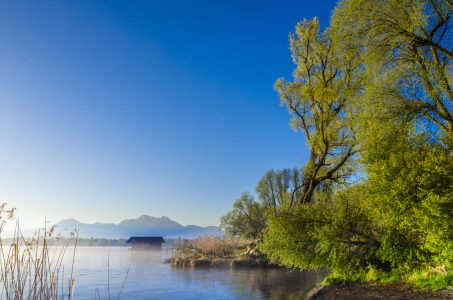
x,y
215,251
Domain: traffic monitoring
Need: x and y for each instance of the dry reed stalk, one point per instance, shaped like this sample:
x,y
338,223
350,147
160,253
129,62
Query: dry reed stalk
x,y
108,274
124,282
38,265
212,246
33,273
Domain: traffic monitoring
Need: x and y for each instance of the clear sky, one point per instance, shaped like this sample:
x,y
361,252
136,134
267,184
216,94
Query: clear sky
x,y
114,109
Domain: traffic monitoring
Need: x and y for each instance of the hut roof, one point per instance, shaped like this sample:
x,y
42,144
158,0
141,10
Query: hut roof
x,y
146,239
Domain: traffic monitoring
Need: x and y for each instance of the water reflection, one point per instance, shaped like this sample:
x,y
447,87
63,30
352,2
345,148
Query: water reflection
x,y
149,278
254,283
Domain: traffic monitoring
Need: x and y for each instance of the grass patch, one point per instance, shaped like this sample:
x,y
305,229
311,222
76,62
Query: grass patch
x,y
434,278
370,274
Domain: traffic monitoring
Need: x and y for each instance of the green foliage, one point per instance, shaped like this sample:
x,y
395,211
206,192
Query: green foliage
x,y
373,93
407,49
327,81
368,274
396,220
439,278
433,278
409,188
246,219
275,189
334,233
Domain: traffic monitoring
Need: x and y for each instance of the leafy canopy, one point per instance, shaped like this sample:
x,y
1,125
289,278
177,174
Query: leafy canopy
x,y
327,81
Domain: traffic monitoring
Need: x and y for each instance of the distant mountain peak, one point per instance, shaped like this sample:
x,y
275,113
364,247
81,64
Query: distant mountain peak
x,y
143,226
69,221
142,217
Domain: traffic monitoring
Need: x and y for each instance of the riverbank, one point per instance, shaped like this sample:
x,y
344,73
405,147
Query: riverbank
x,y
396,290
221,262
220,252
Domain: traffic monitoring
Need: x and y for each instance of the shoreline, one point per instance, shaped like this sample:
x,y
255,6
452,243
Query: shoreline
x,y
178,262
396,290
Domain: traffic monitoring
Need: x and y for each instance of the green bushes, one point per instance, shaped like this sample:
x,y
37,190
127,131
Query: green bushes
x,y
368,274
394,224
440,277
435,278
336,234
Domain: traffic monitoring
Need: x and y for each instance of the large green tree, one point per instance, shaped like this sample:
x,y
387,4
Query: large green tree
x,y
398,217
407,48
398,105
327,81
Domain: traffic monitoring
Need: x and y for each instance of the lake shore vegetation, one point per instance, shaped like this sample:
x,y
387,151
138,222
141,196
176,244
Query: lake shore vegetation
x,y
372,95
218,251
31,268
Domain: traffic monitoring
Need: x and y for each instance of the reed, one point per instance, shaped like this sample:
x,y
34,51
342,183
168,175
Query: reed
x,y
32,268
213,246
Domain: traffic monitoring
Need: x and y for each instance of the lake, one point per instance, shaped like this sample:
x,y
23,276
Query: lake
x,y
149,278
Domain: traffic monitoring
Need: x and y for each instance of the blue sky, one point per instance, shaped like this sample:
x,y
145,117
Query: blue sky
x,y
114,109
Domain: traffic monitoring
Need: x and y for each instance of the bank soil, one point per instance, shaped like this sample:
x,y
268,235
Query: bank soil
x,y
392,290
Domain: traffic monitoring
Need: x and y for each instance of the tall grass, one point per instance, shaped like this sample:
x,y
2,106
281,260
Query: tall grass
x,y
32,268
213,246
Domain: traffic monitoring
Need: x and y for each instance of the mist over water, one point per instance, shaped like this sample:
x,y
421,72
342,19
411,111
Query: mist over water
x,y
149,278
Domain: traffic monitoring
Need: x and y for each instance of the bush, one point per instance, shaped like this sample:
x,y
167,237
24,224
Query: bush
x,y
329,233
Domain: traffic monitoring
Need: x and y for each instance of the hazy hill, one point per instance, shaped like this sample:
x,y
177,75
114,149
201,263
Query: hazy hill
x,y
143,226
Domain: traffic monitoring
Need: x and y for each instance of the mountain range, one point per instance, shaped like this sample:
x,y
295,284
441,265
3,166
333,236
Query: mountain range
x,y
143,226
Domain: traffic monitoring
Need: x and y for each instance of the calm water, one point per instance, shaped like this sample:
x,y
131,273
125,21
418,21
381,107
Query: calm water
x,y
149,278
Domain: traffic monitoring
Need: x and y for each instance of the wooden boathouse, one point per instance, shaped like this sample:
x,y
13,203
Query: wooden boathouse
x,y
149,243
